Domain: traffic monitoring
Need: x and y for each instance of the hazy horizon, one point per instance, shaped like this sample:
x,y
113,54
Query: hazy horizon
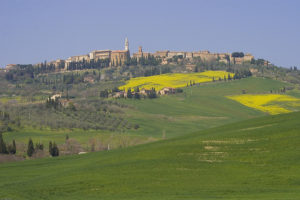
x,y
33,31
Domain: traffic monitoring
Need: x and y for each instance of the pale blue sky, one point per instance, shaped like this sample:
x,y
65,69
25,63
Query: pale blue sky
x,y
32,31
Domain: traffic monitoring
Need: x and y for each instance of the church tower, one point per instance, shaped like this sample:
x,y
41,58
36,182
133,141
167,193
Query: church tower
x,y
126,45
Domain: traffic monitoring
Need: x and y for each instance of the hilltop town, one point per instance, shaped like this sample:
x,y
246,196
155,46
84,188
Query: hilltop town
x,y
114,58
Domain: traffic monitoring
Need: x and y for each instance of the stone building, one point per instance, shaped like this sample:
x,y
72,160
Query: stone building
x,y
100,54
11,67
161,54
141,54
167,90
205,56
58,63
171,54
116,57
119,57
248,57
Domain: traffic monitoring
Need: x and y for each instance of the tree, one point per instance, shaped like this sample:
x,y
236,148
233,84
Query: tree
x,y
137,95
129,93
53,149
104,93
196,69
115,89
137,89
50,147
39,146
237,54
12,149
152,94
3,148
229,77
30,148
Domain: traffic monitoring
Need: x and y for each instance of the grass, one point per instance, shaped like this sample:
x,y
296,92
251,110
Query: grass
x,y
197,108
83,137
253,159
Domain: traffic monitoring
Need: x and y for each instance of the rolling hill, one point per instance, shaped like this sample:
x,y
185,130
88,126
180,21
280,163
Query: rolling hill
x,y
197,108
252,159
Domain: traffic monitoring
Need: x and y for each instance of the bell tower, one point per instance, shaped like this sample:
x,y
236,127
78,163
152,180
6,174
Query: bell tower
x,y
126,44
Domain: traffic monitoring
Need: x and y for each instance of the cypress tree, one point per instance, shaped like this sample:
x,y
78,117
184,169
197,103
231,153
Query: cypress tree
x,y
50,147
30,148
53,149
229,77
129,94
13,148
3,148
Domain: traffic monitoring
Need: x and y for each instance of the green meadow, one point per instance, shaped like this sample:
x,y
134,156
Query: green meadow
x,y
197,108
252,159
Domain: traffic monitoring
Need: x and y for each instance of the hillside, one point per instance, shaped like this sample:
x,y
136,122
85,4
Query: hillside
x,y
197,108
254,159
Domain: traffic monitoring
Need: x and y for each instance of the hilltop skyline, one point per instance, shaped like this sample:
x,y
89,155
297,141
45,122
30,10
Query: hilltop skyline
x,y
35,31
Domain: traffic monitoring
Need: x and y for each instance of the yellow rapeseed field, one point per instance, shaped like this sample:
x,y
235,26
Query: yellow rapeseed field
x,y
175,80
270,103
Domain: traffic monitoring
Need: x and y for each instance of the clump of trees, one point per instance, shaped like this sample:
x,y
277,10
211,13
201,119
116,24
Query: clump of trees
x,y
242,74
237,54
144,61
92,64
152,94
73,78
104,93
7,149
53,149
130,93
53,103
5,119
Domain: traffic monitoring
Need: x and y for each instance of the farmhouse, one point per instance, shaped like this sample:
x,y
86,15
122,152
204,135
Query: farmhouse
x,y
120,94
56,96
145,91
167,90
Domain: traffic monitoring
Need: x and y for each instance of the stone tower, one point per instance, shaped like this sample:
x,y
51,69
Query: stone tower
x,y
126,45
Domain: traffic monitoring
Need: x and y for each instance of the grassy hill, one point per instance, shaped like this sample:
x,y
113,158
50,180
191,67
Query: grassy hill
x,y
253,159
197,108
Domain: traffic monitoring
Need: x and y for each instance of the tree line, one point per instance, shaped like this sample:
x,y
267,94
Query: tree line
x,y
31,149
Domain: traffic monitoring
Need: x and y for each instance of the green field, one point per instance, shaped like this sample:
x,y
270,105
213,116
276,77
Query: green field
x,y
253,159
83,137
197,108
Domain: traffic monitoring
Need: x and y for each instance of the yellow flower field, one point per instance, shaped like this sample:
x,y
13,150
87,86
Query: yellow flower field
x,y
270,103
175,80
